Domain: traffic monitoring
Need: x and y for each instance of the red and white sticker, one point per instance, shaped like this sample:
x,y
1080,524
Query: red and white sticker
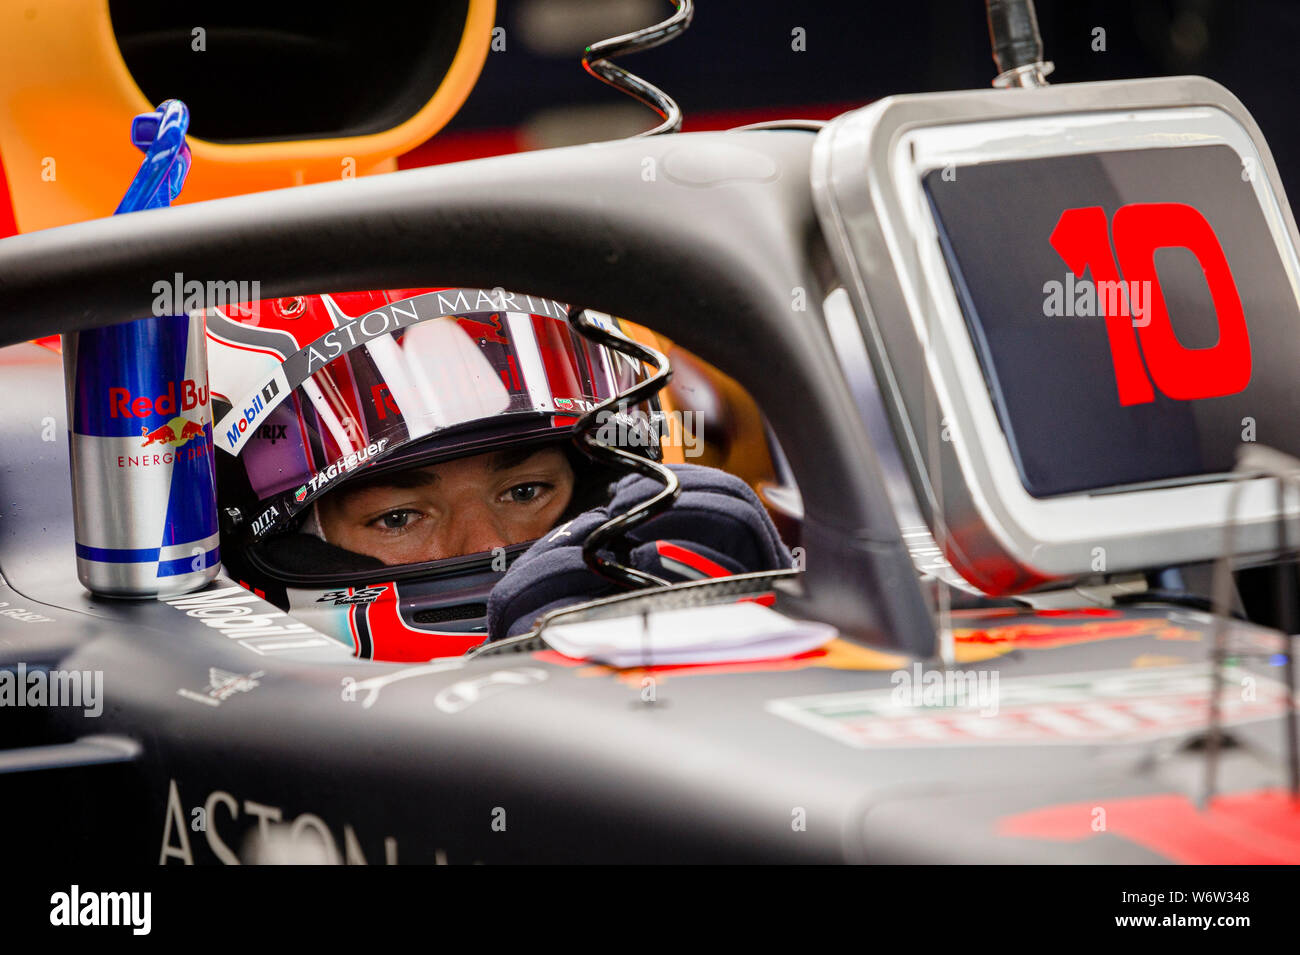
x,y
1115,706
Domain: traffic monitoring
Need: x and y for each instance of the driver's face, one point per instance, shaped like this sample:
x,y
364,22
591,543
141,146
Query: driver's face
x,y
457,507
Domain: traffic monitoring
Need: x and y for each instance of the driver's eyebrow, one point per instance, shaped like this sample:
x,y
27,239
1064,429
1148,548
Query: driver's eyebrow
x,y
423,477
405,480
505,460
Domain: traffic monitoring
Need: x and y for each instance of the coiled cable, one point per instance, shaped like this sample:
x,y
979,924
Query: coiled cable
x,y
597,56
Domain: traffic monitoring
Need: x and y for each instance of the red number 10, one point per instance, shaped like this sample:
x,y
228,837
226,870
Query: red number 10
x,y
1185,374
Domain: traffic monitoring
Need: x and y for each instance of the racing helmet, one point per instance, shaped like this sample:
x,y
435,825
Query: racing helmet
x,y
315,392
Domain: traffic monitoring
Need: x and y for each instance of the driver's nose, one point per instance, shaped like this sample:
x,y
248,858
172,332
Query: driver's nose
x,y
472,529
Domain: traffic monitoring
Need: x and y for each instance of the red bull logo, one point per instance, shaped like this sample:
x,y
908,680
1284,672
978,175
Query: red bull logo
x,y
489,331
176,433
123,404
163,435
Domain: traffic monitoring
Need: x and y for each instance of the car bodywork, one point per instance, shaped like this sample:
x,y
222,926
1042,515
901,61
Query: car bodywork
x,y
215,742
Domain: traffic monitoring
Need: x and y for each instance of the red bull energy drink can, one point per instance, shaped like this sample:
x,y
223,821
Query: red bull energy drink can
x,y
140,422
143,481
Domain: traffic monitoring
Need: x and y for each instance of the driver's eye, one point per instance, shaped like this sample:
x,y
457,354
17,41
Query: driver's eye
x,y
395,520
523,493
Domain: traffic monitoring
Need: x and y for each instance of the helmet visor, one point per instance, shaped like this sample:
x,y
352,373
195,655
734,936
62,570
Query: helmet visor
x,y
439,369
